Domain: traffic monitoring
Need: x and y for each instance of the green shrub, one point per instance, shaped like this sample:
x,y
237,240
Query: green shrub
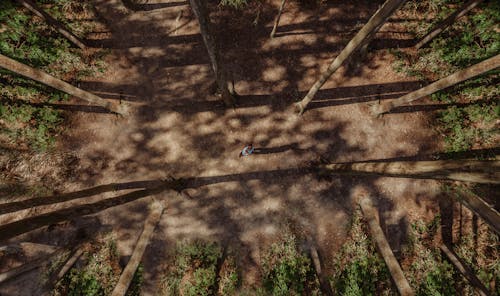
x,y
194,271
24,118
286,270
96,274
238,4
359,269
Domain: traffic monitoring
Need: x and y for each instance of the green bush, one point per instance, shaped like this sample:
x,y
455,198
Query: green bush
x,y
238,4
194,271
359,269
286,270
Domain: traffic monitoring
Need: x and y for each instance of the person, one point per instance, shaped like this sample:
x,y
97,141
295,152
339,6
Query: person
x,y
247,150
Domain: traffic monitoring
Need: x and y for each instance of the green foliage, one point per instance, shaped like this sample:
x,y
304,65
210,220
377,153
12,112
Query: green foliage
x,y
286,270
438,280
428,273
202,283
359,268
24,119
468,41
196,271
96,274
238,4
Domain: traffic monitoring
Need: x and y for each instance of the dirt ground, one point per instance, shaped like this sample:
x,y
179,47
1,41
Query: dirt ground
x,y
176,127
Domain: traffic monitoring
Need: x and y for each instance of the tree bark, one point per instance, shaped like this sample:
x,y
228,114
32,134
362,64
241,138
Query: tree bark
x,y
368,29
15,228
384,248
277,20
31,6
200,10
56,83
455,78
465,271
466,7
128,273
481,208
323,279
478,171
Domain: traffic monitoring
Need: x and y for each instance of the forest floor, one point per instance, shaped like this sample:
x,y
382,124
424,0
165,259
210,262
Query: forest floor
x,y
176,127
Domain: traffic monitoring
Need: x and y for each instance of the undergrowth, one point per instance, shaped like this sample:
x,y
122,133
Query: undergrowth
x,y
287,269
97,272
27,114
428,272
470,119
201,268
359,270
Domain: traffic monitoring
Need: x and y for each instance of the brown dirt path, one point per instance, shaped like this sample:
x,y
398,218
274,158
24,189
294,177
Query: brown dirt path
x,y
158,65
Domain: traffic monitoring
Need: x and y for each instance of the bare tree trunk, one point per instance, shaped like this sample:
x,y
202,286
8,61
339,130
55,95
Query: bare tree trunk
x,y
466,7
457,77
200,10
31,6
384,249
56,83
18,227
478,171
370,27
277,20
465,271
481,208
323,280
128,273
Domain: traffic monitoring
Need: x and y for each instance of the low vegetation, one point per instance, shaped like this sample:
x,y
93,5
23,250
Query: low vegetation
x,y
97,272
358,269
470,119
287,269
27,116
201,268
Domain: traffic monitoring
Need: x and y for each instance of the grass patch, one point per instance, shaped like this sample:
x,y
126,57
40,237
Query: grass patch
x,y
25,118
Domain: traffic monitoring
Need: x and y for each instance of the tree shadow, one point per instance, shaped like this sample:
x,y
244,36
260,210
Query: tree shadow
x,y
279,149
145,6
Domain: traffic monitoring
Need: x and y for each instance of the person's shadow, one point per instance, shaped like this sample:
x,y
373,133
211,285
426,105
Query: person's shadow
x,y
279,149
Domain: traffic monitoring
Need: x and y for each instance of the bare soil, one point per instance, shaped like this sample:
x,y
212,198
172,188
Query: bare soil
x,y
177,127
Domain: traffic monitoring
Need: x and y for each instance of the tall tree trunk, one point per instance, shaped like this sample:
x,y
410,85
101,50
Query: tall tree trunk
x,y
51,81
370,27
324,284
277,20
18,227
147,232
200,10
480,207
478,171
457,77
31,6
465,270
466,7
384,248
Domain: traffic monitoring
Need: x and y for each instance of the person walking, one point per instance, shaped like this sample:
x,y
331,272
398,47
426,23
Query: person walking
x,y
247,150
